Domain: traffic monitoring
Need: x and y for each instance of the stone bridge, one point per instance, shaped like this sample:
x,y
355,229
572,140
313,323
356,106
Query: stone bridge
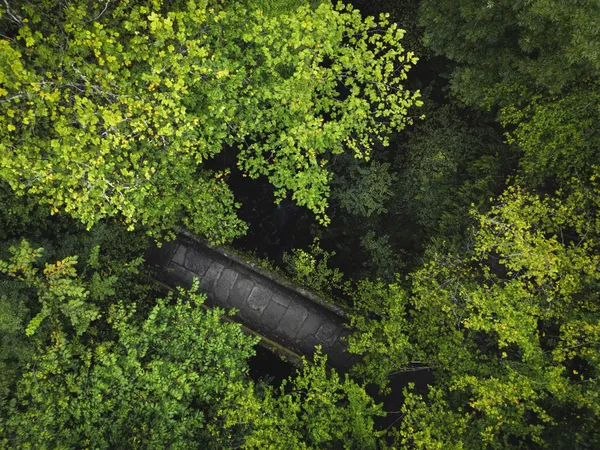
x,y
289,319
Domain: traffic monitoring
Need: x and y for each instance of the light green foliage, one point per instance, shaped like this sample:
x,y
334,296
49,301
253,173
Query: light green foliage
x,y
338,81
512,332
313,410
406,14
432,424
559,136
381,330
273,8
113,111
541,45
62,296
311,268
528,236
158,384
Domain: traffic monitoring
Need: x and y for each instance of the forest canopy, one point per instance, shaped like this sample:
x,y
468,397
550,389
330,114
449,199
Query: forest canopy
x,y
117,112
439,183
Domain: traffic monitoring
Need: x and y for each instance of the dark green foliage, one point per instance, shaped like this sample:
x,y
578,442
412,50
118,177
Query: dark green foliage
x,y
381,257
386,213
450,165
538,64
362,189
541,46
19,215
15,349
362,199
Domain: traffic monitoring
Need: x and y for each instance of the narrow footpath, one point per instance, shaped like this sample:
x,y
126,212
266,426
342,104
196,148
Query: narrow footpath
x,y
294,319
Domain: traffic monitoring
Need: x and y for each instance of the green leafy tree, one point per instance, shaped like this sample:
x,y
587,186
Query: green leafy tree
x,y
540,46
363,197
537,64
511,331
558,135
315,409
15,349
88,369
19,215
382,259
362,189
312,269
161,383
112,110
35,301
386,213
406,14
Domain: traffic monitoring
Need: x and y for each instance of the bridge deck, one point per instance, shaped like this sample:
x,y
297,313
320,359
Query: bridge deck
x,y
265,305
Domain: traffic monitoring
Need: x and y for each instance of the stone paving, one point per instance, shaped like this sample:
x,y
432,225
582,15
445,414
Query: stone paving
x,y
264,305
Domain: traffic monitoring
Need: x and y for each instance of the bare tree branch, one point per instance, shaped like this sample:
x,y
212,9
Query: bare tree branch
x,y
15,17
101,13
